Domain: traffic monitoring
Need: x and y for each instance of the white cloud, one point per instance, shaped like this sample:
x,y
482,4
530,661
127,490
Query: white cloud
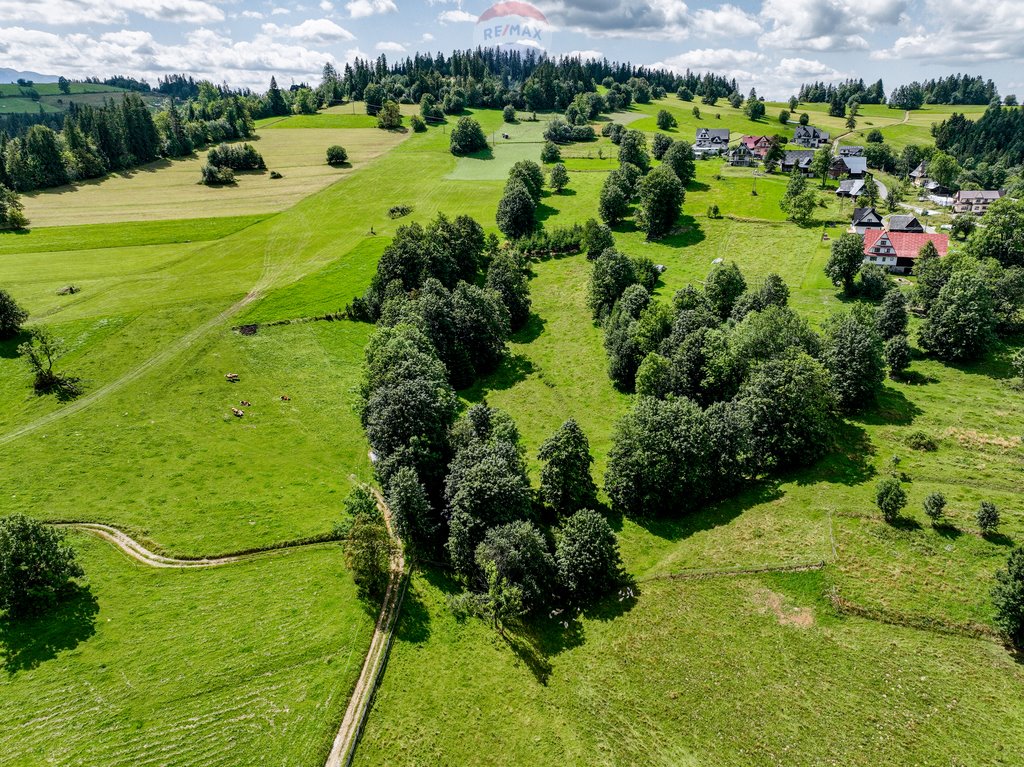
x,y
389,46
726,21
965,33
829,25
457,17
252,15
359,9
280,11
310,31
427,37
326,6
76,12
584,55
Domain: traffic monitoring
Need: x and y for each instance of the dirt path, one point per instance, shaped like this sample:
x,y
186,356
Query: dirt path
x,y
351,728
835,143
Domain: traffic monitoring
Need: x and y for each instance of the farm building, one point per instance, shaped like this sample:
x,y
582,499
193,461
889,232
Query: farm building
x,y
865,218
897,251
905,223
809,136
974,201
851,167
850,187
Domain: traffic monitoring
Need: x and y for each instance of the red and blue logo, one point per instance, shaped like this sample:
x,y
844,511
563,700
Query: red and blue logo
x,y
513,23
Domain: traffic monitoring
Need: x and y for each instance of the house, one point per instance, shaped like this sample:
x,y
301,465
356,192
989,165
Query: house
x,y
851,187
975,201
741,155
797,159
809,136
759,145
935,189
919,175
865,219
851,151
897,251
711,141
905,223
851,167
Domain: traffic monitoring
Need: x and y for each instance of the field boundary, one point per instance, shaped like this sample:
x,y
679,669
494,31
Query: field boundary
x,y
724,572
908,620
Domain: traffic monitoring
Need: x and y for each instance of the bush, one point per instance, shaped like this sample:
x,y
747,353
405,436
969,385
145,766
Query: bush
x,y
236,157
508,114
559,178
890,497
935,506
714,212
11,215
596,238
665,120
397,211
988,518
417,123
659,145
587,556
467,137
11,316
36,565
40,352
550,153
274,175
874,282
214,176
919,440
389,117
897,355
1017,361
1008,597
336,155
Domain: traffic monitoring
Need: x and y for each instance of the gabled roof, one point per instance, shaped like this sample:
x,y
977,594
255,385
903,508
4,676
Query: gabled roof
x,y
981,195
752,141
851,151
809,131
722,134
919,171
906,244
852,187
854,164
905,223
864,215
802,157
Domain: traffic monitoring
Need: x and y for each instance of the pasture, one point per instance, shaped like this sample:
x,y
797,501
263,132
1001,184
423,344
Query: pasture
x,y
256,659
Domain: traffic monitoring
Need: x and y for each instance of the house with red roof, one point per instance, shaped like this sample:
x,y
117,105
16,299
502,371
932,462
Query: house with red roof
x,y
897,251
758,145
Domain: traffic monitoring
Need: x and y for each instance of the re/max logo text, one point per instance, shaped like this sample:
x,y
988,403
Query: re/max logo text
x,y
511,30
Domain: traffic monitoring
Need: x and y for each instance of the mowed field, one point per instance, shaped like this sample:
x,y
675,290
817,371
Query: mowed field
x,y
720,669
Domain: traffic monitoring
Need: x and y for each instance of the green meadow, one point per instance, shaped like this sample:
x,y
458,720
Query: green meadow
x,y
253,662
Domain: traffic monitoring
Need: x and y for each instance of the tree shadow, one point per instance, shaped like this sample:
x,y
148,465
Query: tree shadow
x,y
914,378
9,346
29,642
414,618
531,331
946,530
907,524
719,513
697,186
848,464
685,233
513,369
545,211
999,539
892,408
566,192
483,154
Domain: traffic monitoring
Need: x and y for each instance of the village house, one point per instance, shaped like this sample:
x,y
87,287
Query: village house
x,y
800,159
711,141
850,187
758,145
974,201
905,223
851,167
919,175
865,219
741,155
851,151
809,136
897,251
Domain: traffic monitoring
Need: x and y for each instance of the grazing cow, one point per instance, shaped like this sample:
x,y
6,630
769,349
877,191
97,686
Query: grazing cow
x,y
237,413
285,398
232,377
245,403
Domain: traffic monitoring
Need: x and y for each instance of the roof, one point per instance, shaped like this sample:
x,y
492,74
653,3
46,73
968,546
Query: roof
x,y
798,157
981,195
851,151
863,214
751,141
811,131
855,164
720,133
919,171
852,187
904,223
906,244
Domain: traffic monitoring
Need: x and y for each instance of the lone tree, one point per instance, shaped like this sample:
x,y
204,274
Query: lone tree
x,y
799,200
845,260
665,120
935,506
1008,597
890,497
389,117
961,321
661,201
36,565
336,155
367,544
587,556
467,137
988,518
565,481
11,316
516,210
559,177
550,152
508,114
41,351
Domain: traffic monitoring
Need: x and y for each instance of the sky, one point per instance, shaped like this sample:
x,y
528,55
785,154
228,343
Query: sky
x,y
772,45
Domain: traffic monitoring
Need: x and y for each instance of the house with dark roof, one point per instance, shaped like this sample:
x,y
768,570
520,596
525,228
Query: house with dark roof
x,y
851,167
865,219
850,187
974,201
711,141
851,151
919,175
741,155
905,223
799,159
809,136
897,251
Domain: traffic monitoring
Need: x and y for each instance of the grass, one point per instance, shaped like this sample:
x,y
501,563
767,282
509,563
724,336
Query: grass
x,y
170,189
247,663
742,670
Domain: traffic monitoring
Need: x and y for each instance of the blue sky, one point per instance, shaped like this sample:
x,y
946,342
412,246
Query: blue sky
x,y
771,44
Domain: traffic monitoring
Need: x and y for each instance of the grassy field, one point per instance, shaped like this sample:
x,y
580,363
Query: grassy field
x,y
245,664
752,669
170,189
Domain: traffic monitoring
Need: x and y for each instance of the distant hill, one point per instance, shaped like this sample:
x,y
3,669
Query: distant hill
x,y
13,75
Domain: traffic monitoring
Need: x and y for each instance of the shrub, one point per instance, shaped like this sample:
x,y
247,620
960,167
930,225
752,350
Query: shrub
x,y
274,175
336,155
550,153
714,212
665,120
417,123
935,506
897,355
40,352
919,440
11,215
214,176
559,177
1017,361
397,211
890,497
389,117
508,114
36,565
11,316
596,238
467,137
988,518
236,157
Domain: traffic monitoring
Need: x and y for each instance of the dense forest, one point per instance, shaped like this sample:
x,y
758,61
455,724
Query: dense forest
x,y
998,136
845,92
954,89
